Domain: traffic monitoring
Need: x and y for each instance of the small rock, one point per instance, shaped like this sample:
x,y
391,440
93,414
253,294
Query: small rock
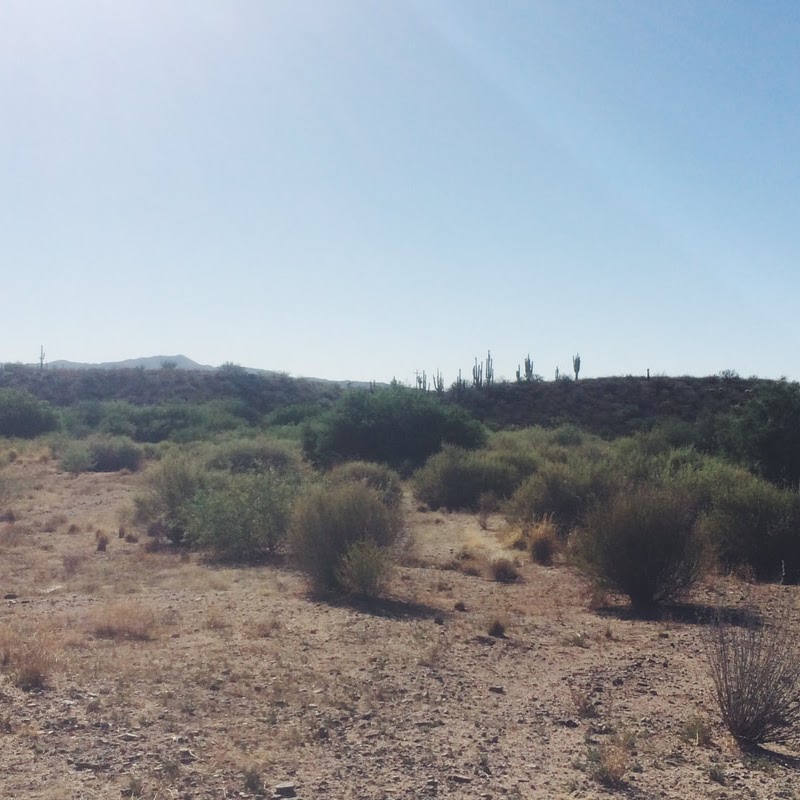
x,y
285,789
458,778
10,596
438,619
497,689
186,756
568,723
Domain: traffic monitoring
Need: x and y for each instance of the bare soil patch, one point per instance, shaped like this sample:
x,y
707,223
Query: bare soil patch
x,y
164,677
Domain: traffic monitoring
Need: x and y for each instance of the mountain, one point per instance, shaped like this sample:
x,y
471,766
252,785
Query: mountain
x,y
149,362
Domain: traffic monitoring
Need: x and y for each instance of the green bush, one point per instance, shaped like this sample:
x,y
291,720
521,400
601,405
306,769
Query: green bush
x,y
455,478
399,427
166,507
76,458
245,519
328,520
562,491
384,480
22,415
256,456
113,453
642,543
765,433
757,525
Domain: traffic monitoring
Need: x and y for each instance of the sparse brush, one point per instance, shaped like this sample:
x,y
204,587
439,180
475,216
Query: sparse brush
x,y
497,629
609,762
543,541
696,732
756,672
582,701
102,540
504,570
29,660
71,562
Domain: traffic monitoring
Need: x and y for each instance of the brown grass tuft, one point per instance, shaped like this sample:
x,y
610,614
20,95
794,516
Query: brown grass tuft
x,y
124,620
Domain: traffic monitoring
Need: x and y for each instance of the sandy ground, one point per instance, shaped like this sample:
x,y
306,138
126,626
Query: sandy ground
x,y
168,678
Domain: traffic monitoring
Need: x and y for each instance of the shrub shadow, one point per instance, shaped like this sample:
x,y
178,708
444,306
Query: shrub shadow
x,y
687,613
387,608
787,760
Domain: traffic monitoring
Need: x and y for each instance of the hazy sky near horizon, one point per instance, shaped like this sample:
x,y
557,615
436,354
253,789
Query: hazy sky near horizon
x,y
354,189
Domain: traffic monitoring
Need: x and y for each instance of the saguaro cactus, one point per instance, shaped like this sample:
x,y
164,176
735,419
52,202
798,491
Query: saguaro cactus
x,y
477,375
576,364
489,368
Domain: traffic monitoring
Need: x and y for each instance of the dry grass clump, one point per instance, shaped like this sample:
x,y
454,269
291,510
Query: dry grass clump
x,y
124,620
54,522
609,761
756,672
28,659
543,538
102,540
13,534
72,562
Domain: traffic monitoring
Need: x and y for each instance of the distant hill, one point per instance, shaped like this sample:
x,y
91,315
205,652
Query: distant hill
x,y
149,362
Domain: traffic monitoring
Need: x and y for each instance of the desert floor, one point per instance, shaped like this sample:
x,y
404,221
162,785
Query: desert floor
x,y
170,678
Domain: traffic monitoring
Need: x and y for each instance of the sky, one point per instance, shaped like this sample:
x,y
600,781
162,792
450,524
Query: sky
x,y
362,190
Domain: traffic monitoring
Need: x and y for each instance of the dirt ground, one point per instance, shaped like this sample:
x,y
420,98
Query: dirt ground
x,y
169,678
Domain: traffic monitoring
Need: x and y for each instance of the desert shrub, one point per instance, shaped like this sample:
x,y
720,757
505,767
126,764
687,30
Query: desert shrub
x,y
256,456
22,415
243,519
756,672
176,421
565,492
642,543
755,524
76,458
399,427
366,568
166,506
765,433
328,520
384,480
113,453
504,570
456,478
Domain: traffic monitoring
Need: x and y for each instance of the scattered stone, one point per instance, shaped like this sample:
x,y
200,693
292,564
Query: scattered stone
x,y
487,640
459,606
285,789
458,778
10,596
497,689
438,619
568,723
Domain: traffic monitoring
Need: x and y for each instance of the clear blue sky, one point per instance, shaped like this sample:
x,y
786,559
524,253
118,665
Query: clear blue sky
x,y
357,190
